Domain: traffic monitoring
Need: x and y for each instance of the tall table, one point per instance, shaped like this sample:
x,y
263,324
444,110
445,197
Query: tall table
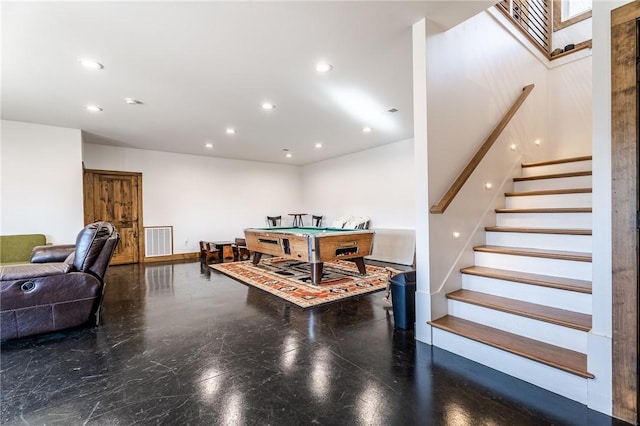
x,y
297,219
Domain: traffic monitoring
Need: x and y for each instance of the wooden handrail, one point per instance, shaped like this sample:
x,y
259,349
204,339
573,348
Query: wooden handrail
x,y
456,186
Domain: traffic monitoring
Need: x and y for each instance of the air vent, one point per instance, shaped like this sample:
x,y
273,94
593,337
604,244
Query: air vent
x,y
392,110
158,241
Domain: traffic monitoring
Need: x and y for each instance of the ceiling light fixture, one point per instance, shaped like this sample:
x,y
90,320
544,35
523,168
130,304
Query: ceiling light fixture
x,y
323,67
289,155
91,64
268,106
318,145
513,147
92,108
231,131
208,145
132,101
366,129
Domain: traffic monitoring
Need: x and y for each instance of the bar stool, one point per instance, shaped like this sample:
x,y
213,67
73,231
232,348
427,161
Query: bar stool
x,y
274,221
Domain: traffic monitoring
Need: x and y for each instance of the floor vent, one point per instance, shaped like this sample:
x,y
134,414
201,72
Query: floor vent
x,y
158,241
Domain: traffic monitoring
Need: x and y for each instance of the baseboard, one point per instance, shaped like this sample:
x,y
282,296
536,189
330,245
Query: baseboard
x,y
179,256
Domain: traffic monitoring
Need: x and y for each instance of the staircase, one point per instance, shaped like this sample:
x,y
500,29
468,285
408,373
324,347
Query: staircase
x,y
525,306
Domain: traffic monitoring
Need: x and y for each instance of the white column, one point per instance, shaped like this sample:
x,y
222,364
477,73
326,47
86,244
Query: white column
x,y
423,297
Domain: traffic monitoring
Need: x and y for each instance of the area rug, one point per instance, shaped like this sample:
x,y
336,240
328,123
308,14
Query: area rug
x,y
291,280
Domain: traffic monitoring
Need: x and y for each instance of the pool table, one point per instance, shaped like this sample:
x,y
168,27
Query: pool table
x,y
312,245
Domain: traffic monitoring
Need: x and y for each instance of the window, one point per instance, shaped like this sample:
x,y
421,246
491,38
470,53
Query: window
x,y
568,12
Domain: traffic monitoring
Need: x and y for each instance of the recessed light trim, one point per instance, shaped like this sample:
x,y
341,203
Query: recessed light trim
x,y
366,130
133,101
268,106
92,108
323,67
230,131
91,64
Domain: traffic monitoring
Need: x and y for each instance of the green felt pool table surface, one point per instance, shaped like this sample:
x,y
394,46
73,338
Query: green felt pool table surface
x,y
303,230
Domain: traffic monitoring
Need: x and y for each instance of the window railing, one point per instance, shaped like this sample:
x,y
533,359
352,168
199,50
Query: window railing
x,y
533,17
537,19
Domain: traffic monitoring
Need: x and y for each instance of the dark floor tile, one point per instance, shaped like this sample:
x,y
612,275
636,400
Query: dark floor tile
x,y
182,344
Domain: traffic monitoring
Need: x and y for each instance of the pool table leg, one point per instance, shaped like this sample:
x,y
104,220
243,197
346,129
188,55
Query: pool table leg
x,y
360,264
256,257
316,272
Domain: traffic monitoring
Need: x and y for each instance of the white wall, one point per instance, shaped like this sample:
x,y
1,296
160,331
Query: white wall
x,y
378,183
41,181
599,342
475,72
203,198
570,109
573,34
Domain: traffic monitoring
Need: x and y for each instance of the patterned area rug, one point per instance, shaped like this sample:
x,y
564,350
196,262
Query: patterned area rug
x,y
291,280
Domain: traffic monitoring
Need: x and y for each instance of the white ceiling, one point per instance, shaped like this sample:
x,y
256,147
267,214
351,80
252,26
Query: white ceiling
x,y
202,67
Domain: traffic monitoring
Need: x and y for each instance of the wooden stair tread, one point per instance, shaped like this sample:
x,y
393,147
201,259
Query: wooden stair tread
x,y
561,283
548,210
538,230
547,254
558,161
575,320
553,176
553,356
550,192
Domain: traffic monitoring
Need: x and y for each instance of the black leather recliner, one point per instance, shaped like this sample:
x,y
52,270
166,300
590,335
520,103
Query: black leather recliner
x,y
62,287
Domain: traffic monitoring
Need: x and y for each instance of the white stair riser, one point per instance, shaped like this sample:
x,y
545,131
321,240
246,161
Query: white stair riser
x,y
535,265
552,297
552,334
546,377
575,166
548,201
557,183
579,243
545,220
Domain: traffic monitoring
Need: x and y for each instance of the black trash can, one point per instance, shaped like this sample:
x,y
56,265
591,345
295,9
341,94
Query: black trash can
x,y
403,297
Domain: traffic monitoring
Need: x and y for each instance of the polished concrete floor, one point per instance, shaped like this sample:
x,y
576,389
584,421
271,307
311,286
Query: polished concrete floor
x,y
180,344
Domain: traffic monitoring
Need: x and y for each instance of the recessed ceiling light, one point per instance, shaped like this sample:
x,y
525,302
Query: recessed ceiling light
x,y
132,101
366,129
289,155
318,145
208,145
231,131
323,67
91,64
268,106
92,108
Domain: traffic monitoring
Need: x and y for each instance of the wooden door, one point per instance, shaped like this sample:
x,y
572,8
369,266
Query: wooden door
x,y
116,197
625,149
